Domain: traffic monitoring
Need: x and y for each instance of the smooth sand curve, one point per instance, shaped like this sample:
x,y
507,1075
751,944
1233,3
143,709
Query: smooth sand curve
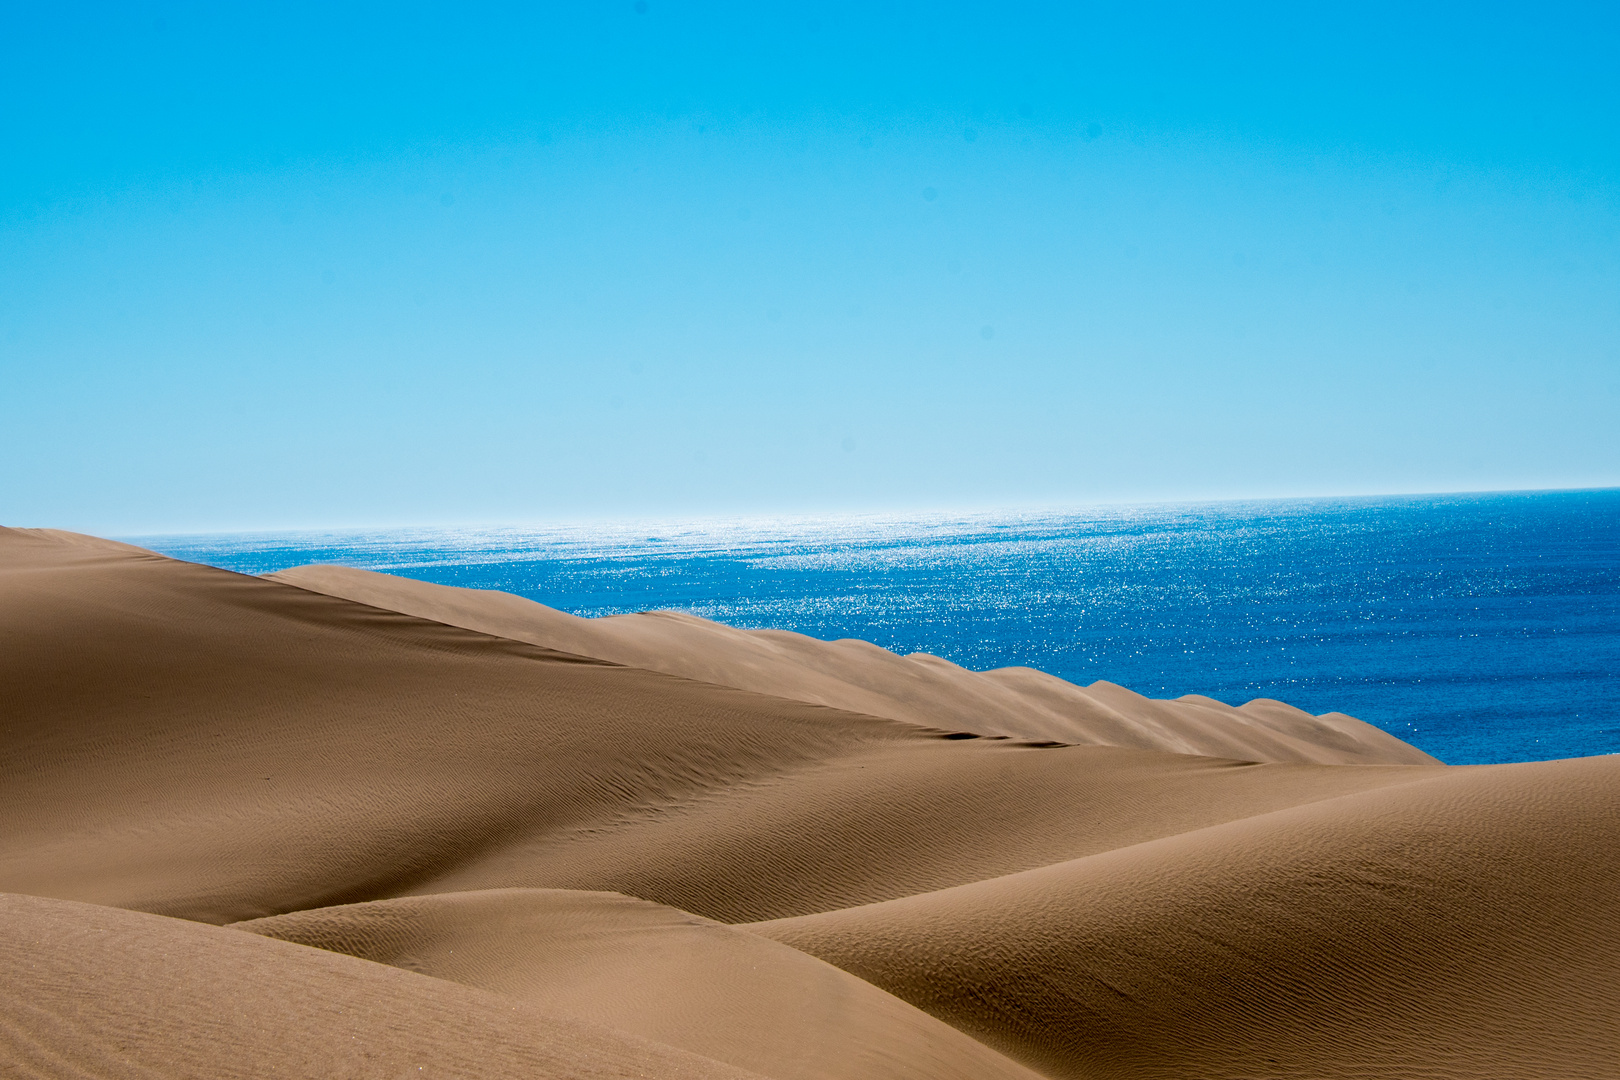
x,y
1462,926
858,676
659,973
92,991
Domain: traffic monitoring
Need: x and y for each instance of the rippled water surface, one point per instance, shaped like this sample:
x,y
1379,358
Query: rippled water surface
x,y
1480,628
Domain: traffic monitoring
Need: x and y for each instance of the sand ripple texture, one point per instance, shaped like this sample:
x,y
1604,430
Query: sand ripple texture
x,y
333,823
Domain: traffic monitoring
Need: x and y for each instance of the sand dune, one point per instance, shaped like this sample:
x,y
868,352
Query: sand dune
x,y
205,747
1464,925
858,676
203,744
92,991
657,972
882,822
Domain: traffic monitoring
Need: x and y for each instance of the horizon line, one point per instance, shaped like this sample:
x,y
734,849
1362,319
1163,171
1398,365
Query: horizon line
x,y
825,515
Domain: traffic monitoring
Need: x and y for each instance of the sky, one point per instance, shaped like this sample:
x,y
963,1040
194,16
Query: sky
x,y
296,265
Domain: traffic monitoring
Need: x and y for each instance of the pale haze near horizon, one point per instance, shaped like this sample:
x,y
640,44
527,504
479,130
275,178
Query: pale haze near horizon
x,y
285,268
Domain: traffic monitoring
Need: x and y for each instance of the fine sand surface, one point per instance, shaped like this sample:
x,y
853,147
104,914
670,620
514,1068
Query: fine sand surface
x,y
1425,929
657,972
494,839
92,991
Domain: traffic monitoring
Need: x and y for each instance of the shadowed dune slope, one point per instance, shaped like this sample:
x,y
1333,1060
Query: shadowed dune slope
x,y
659,973
193,742
861,677
92,991
1463,926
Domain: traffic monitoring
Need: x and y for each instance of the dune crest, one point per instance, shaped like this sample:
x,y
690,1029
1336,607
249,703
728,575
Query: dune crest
x,y
860,677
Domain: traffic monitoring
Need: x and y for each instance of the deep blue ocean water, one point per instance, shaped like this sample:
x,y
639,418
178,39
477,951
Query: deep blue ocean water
x,y
1482,628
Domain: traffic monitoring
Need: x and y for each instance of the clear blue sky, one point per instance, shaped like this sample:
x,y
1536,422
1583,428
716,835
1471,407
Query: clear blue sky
x,y
272,265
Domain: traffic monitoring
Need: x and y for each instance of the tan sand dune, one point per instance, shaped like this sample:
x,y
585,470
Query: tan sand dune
x,y
1464,926
858,676
198,743
91,991
892,820
214,746
190,742
656,972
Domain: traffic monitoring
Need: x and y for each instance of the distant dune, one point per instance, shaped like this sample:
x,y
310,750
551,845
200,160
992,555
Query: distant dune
x,y
857,676
332,823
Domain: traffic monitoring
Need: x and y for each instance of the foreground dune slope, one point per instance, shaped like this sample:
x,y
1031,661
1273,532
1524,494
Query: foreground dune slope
x,y
861,677
656,972
1463,926
92,991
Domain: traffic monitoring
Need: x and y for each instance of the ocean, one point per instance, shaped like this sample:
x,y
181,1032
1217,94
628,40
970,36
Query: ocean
x,y
1481,628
